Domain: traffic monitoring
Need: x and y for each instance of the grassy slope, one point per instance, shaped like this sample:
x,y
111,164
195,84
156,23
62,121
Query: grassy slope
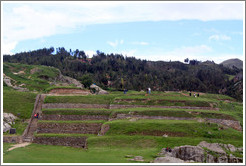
x,y
20,104
33,81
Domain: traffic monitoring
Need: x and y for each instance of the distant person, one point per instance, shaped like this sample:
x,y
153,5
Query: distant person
x,y
194,95
197,94
149,90
169,150
190,93
37,115
125,90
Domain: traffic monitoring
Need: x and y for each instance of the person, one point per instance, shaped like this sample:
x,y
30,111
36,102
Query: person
x,y
194,95
169,150
149,90
190,93
197,94
37,115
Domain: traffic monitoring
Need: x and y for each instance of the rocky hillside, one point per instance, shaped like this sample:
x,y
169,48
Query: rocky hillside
x,y
35,77
233,62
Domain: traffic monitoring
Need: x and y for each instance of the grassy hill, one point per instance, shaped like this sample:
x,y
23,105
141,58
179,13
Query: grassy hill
x,y
181,122
233,62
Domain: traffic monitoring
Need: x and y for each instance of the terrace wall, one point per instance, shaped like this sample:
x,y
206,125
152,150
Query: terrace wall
x,y
79,142
71,105
69,91
74,117
82,128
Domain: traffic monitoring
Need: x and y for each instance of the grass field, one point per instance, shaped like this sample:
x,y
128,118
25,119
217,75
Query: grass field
x,y
21,105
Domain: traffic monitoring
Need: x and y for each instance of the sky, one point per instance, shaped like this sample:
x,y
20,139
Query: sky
x,y
146,30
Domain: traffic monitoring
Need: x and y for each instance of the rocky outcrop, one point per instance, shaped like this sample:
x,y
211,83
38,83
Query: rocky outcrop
x,y
8,120
203,153
8,81
98,90
68,81
168,159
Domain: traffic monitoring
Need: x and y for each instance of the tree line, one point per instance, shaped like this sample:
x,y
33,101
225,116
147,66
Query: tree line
x,y
122,72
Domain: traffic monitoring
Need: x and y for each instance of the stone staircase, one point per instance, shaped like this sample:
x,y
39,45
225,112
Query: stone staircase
x,y
32,126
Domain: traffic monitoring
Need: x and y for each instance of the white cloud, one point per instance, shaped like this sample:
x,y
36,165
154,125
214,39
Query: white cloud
x,y
90,53
115,43
7,47
24,21
219,37
140,43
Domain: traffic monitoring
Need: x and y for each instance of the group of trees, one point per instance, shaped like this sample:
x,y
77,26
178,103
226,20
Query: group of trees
x,y
118,71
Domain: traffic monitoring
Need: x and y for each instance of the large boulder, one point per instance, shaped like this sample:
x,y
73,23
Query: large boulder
x,y
188,152
203,152
168,159
99,90
212,146
8,120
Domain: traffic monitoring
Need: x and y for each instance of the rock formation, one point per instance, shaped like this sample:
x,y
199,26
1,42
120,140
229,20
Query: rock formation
x,y
8,120
99,90
203,153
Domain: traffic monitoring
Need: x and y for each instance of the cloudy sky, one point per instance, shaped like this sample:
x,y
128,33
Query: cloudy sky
x,y
146,30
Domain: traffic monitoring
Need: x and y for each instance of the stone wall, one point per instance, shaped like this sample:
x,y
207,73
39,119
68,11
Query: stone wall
x,y
82,128
12,139
70,105
79,142
69,91
116,106
74,117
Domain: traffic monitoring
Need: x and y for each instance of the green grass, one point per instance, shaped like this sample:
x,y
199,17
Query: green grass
x,y
21,105
76,111
18,103
38,81
103,149
178,128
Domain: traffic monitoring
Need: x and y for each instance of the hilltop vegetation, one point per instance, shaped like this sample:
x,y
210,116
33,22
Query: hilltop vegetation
x,y
232,63
119,72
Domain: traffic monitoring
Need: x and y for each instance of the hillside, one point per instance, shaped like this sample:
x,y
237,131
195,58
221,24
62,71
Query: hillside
x,y
233,62
117,127
119,72
37,78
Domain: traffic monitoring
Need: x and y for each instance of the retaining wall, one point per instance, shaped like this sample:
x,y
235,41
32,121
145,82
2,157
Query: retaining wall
x,y
69,105
116,106
79,142
12,139
82,128
74,117
69,91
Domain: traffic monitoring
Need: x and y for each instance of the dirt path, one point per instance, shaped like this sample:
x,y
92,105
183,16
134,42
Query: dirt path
x,y
19,146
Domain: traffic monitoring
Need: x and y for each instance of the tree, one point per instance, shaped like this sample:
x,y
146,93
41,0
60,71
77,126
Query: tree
x,y
86,80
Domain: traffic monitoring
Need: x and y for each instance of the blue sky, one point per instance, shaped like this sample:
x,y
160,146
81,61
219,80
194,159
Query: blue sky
x,y
152,31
